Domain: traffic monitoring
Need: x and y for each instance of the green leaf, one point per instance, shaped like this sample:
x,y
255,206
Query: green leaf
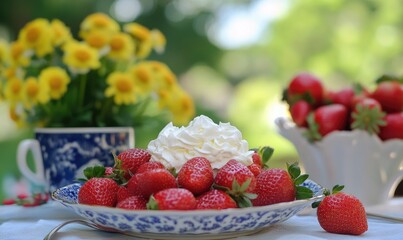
x,y
250,195
303,192
244,185
337,188
152,204
300,179
316,204
266,153
294,170
243,202
96,171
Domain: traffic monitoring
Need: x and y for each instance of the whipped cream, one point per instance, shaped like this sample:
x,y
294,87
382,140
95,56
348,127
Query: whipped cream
x,y
219,143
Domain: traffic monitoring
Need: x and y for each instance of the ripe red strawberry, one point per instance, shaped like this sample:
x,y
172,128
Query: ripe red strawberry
x,y
307,87
326,119
255,169
235,171
344,96
108,171
274,186
133,203
393,128
277,185
131,159
98,191
257,159
172,199
148,166
299,112
153,181
123,193
367,115
196,175
390,95
342,213
215,199
133,185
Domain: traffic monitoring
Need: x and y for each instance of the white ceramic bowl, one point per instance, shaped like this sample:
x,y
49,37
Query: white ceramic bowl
x,y
369,168
205,224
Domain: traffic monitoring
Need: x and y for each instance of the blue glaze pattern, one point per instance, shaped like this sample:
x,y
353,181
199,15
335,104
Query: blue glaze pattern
x,y
66,154
186,222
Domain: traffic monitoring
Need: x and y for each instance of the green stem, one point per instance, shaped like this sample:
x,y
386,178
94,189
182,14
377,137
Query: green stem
x,y
81,93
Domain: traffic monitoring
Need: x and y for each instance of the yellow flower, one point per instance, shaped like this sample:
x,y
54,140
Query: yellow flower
x,y
181,105
122,87
165,77
56,79
143,38
98,21
37,35
80,58
159,40
61,33
33,92
99,40
122,47
19,54
143,76
4,53
13,90
17,114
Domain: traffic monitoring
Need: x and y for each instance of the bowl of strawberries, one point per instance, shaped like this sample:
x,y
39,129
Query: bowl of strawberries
x,y
352,136
196,181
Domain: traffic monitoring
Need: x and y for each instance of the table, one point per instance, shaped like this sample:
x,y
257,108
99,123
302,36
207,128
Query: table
x,y
19,223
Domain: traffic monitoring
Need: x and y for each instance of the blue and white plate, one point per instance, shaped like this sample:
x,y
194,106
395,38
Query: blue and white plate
x,y
205,224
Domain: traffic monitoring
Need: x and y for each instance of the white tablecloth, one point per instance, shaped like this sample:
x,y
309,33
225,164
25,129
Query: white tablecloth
x,y
19,223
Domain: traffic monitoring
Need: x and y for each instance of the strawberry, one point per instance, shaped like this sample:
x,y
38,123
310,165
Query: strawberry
x,y
326,119
131,159
342,213
390,95
215,199
238,181
276,185
367,115
98,191
148,166
122,193
393,128
196,175
133,185
152,181
172,199
299,113
305,86
344,96
133,203
255,169
257,159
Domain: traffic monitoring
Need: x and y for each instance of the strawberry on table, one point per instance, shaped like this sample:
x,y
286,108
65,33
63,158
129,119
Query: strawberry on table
x,y
172,199
196,175
342,213
98,191
123,193
148,166
215,199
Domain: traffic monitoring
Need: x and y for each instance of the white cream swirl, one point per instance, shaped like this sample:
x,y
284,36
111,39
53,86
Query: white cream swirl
x,y
219,143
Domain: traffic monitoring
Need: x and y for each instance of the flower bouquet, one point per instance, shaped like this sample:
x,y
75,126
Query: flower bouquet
x,y
101,78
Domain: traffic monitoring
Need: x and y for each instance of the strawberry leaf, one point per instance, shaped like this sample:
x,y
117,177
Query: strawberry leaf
x,y
293,170
337,188
152,204
266,153
96,171
300,179
312,133
303,192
